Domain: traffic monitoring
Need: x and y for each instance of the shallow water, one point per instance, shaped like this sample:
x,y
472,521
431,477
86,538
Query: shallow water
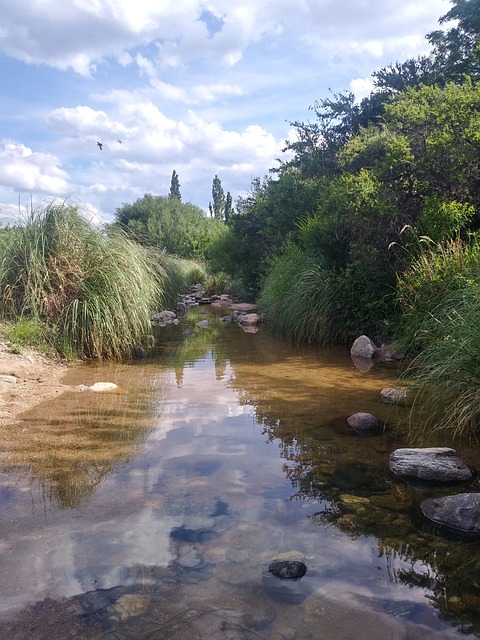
x,y
155,511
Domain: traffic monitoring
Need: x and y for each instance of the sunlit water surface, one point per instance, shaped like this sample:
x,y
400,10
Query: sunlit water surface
x,y
155,511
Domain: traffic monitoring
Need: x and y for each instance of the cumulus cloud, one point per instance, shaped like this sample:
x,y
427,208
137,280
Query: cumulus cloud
x,y
25,170
81,33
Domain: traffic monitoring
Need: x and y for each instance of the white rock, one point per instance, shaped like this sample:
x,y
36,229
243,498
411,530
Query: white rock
x,y
103,386
9,379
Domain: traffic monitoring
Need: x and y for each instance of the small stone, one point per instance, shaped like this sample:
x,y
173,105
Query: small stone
x,y
287,569
391,395
98,387
203,324
9,379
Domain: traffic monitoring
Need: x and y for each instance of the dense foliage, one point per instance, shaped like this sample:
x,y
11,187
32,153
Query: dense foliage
x,y
165,222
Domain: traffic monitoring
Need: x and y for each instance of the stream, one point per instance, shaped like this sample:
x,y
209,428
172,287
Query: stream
x,y
156,511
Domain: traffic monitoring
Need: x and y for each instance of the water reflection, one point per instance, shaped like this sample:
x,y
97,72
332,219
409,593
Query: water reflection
x,y
162,504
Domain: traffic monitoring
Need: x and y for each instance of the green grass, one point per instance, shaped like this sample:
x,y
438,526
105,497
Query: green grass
x,y
98,290
445,376
438,271
297,298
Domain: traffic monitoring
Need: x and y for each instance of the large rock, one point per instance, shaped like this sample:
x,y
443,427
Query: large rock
x,y
460,512
363,347
432,463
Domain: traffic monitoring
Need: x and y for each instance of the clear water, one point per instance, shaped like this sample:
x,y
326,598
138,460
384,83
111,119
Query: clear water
x,y
155,511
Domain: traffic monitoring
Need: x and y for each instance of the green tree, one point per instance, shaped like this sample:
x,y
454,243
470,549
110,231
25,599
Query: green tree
x,y
179,228
217,205
175,186
228,206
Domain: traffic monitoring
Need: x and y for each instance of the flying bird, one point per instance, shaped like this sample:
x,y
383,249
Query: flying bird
x,y
100,145
119,141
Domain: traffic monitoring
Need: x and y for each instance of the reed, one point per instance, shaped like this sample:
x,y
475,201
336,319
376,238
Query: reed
x,y
445,376
297,298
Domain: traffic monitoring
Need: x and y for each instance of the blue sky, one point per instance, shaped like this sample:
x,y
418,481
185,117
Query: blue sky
x,y
205,87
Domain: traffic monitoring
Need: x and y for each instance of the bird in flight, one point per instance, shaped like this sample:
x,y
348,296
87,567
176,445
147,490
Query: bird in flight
x,y
100,145
119,141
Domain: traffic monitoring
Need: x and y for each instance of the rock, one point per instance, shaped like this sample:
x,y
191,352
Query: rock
x,y
432,463
203,324
460,512
365,424
98,387
390,395
287,569
162,318
128,606
363,347
249,319
9,379
284,580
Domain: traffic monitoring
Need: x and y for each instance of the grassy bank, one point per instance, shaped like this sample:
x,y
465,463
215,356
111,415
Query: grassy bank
x,y
89,292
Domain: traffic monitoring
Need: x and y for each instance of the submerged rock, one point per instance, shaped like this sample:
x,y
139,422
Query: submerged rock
x,y
287,569
431,463
365,424
460,512
390,395
283,580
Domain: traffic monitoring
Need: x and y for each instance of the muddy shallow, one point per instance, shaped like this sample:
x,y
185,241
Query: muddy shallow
x,y
153,511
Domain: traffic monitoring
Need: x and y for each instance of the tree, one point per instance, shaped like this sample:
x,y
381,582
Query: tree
x,y
175,187
217,206
228,206
164,222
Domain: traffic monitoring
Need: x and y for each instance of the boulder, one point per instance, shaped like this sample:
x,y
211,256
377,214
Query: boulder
x,y
203,324
365,424
363,347
440,464
460,512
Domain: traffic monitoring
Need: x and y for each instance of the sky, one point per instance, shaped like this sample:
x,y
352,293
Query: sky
x,y
202,87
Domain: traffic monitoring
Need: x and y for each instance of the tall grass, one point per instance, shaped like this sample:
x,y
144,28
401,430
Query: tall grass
x,y
437,272
297,298
446,374
98,289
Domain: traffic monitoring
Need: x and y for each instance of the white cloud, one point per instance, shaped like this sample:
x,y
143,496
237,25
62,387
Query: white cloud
x,y
361,87
25,170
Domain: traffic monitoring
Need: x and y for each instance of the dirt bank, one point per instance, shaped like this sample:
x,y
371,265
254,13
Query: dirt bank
x,y
27,379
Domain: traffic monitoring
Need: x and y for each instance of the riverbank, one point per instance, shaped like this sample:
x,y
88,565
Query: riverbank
x,y
27,379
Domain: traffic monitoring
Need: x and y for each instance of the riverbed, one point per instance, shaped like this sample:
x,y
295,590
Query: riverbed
x,y
156,510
